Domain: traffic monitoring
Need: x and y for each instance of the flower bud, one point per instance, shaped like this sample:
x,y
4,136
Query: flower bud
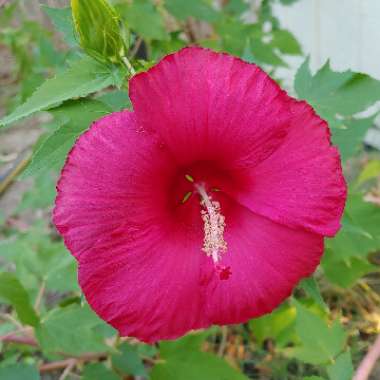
x,y
99,30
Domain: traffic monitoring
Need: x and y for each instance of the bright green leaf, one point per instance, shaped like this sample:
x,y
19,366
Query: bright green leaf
x,y
278,325
71,330
346,273
320,343
310,286
13,292
194,365
82,78
370,171
100,32
342,369
183,361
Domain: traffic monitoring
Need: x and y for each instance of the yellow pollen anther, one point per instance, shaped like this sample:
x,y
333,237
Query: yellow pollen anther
x,y
189,178
187,196
214,223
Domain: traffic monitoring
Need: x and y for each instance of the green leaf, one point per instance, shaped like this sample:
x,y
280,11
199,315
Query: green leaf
x,y
264,54
310,286
320,344
182,360
346,273
313,378
330,93
63,22
360,234
13,292
231,32
349,138
199,9
288,2
80,79
370,171
286,42
71,330
278,325
342,369
100,32
193,365
19,372
41,195
76,115
98,372
128,361
143,17
116,100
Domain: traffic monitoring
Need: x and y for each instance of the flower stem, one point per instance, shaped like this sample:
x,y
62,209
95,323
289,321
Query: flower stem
x,y
128,65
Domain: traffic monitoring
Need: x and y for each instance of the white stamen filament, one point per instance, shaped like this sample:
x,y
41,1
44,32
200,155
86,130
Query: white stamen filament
x,y
214,223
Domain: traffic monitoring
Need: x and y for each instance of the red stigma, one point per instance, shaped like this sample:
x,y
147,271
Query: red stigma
x,y
224,272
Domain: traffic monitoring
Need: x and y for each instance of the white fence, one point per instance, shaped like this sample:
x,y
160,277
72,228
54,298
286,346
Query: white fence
x,y
346,31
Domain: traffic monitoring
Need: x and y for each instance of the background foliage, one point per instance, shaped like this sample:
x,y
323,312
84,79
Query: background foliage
x,y
63,78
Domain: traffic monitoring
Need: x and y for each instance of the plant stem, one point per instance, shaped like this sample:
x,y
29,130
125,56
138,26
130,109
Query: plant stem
x,y
129,66
369,361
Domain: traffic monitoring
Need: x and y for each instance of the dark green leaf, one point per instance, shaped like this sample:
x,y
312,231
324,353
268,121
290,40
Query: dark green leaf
x,y
331,93
77,116
286,42
199,9
288,2
116,100
349,138
62,20
98,372
143,17
264,54
81,79
13,292
128,361
19,372
278,325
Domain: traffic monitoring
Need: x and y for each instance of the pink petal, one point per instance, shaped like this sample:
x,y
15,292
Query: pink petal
x,y
159,286
113,181
210,106
266,260
301,184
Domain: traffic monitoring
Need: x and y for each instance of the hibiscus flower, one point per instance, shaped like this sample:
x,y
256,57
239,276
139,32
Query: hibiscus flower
x,y
205,205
